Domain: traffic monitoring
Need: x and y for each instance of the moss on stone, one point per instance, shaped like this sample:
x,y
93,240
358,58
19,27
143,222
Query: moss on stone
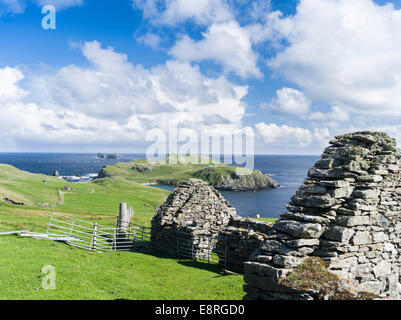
x,y
312,276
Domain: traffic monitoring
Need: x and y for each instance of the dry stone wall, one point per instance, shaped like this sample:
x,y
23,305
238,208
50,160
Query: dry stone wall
x,y
196,209
347,212
243,237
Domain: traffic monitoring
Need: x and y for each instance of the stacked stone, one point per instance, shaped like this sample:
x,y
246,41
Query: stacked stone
x,y
194,208
243,237
347,212
255,225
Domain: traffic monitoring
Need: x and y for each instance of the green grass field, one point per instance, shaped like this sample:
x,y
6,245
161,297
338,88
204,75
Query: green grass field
x,y
89,275
82,274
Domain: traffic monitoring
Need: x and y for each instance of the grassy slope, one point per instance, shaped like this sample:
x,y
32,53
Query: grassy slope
x,y
88,275
98,200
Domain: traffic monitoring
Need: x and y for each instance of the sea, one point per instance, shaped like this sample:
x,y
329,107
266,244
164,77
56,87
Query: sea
x,y
288,170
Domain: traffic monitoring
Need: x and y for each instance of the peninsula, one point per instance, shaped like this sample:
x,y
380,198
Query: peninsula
x,y
219,175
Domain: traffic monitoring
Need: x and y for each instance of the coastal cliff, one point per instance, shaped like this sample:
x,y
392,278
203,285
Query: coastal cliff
x,y
229,180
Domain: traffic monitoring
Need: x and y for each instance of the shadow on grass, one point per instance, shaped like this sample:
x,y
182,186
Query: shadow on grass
x,y
203,265
212,267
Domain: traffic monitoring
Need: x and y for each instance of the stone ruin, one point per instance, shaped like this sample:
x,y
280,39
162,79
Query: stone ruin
x,y
347,212
195,210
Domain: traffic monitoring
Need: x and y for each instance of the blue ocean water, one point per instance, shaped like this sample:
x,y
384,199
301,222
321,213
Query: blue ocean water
x,y
72,166
288,170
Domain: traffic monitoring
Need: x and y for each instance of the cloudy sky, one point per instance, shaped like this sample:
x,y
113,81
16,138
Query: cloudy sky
x,y
296,72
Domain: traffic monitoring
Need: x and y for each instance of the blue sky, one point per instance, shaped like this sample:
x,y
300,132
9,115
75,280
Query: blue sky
x,y
295,72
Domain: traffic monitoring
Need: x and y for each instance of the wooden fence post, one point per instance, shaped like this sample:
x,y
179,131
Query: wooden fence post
x,y
124,217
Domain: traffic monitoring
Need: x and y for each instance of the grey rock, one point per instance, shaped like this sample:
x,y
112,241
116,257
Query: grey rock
x,y
338,233
374,286
380,237
302,243
364,271
314,201
335,183
382,269
366,194
344,263
369,178
275,246
286,261
361,237
352,221
299,229
342,192
324,164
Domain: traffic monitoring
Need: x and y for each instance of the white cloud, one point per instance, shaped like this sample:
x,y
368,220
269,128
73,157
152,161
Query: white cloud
x,y
342,52
289,101
13,6
115,88
113,102
173,12
9,90
272,29
286,136
337,114
226,43
259,9
18,6
150,39
60,4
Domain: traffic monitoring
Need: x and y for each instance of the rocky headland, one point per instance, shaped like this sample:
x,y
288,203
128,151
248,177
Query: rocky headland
x,y
219,175
230,180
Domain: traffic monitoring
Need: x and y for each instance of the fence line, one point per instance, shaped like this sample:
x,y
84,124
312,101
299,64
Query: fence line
x,y
95,237
134,237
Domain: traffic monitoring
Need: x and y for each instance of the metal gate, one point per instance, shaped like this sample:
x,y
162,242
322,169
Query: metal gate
x,y
203,248
95,237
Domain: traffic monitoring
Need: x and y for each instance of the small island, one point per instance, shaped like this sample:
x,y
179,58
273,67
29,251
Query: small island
x,y
109,156
219,175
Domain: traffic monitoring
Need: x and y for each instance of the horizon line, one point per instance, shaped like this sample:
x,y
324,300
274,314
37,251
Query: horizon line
x,y
144,153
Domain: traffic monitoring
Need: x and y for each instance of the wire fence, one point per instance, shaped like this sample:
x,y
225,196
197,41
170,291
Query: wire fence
x,y
95,237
